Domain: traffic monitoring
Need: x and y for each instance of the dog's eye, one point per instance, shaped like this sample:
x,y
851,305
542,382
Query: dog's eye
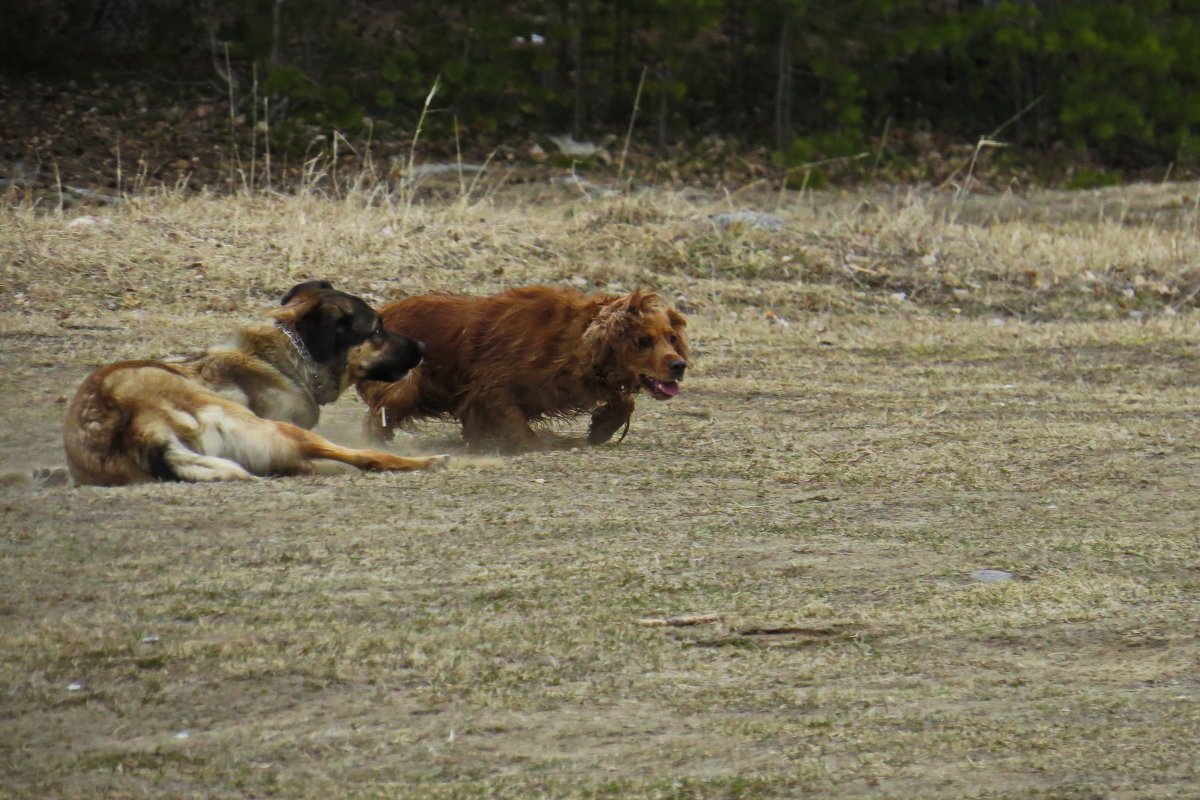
x,y
674,340
642,342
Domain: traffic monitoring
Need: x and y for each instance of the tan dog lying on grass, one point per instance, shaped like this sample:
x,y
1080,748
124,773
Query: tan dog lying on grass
x,y
498,363
140,421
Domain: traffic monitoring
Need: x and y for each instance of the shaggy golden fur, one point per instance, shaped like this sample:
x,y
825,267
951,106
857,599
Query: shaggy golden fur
x,y
146,420
498,363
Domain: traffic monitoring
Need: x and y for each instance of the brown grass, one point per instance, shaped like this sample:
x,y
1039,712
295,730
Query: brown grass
x,y
825,488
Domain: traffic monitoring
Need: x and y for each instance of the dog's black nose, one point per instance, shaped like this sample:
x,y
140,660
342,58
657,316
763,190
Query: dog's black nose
x,y
677,367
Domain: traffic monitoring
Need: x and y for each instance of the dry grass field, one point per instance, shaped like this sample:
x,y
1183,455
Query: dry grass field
x,y
989,383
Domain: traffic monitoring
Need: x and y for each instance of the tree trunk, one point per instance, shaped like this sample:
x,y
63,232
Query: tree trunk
x,y
276,13
579,115
664,109
783,83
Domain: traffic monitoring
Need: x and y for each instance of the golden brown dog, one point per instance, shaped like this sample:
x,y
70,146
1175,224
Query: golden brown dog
x,y
498,363
140,421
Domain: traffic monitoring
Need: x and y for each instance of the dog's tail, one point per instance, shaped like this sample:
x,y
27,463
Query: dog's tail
x,y
94,432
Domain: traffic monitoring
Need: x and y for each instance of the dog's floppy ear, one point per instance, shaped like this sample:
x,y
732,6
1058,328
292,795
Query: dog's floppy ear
x,y
609,325
318,329
306,286
314,321
641,302
679,322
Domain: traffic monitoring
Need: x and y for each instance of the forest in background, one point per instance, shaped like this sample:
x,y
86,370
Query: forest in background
x,y
1113,82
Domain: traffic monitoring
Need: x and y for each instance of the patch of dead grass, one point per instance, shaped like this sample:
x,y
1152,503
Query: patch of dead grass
x,y
903,251
828,485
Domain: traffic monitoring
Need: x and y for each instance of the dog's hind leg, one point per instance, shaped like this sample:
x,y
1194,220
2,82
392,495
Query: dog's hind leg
x,y
487,424
312,447
188,465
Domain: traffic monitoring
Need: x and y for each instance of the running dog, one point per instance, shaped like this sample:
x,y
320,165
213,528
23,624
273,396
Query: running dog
x,y
498,363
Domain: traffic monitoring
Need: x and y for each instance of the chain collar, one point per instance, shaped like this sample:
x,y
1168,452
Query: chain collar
x,y
316,385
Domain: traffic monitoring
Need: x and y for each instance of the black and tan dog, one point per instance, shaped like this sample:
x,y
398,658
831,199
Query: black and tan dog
x,y
140,421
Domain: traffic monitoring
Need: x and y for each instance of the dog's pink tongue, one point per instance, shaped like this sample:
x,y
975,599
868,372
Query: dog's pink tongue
x,y
670,388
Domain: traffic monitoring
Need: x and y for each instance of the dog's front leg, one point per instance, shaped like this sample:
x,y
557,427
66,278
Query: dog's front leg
x,y
390,404
376,427
608,419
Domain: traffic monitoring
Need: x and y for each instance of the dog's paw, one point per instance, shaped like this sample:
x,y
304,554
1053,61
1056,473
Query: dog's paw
x,y
40,478
51,476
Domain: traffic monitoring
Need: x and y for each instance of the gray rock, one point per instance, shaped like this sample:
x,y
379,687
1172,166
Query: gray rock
x,y
751,219
992,576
